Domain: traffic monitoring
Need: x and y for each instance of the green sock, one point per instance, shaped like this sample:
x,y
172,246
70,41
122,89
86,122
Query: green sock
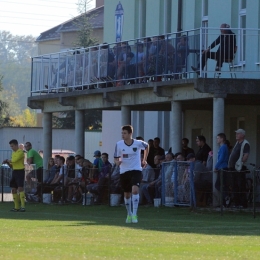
x,y
22,197
16,201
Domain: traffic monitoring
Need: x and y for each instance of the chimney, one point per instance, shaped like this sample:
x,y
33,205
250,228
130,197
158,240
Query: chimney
x,y
99,3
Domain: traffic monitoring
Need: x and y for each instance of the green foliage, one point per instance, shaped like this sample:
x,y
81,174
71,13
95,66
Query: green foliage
x,y
66,120
26,119
4,118
15,64
83,22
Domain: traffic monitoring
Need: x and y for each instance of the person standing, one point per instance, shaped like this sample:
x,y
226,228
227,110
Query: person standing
x,y
33,157
237,159
222,164
17,180
128,156
204,149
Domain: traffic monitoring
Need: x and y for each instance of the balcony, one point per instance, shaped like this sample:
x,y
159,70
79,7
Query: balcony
x,y
164,58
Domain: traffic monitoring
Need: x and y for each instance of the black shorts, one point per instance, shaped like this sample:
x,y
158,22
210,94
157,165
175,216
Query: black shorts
x,y
129,179
17,179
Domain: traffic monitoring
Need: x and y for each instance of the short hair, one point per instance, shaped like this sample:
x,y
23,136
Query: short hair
x,y
70,158
223,136
106,154
128,128
201,138
57,156
158,139
139,138
185,139
28,143
62,159
13,141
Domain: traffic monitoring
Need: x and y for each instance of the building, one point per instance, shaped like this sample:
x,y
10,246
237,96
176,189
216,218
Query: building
x,y
183,104
62,36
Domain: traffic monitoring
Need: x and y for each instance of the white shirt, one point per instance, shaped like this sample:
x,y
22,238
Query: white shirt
x,y
130,155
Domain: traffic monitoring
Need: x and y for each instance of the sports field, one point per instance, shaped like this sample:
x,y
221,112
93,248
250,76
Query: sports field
x,y
100,232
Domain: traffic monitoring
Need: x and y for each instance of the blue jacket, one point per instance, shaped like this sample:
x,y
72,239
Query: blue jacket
x,y
223,156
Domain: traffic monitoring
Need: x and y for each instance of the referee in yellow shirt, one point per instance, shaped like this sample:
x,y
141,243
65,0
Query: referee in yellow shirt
x,y
17,181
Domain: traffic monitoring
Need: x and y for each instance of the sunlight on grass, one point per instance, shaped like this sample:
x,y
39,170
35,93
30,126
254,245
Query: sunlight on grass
x,y
73,231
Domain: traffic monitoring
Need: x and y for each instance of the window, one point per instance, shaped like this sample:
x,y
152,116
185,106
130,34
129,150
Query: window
x,y
204,23
242,31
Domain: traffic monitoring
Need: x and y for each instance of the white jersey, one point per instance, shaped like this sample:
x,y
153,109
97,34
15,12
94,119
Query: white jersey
x,y
130,155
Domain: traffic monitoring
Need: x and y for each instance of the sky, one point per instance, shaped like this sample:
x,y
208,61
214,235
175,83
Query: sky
x,y
32,17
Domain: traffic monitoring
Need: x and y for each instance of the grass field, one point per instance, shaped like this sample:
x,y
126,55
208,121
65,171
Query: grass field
x,y
100,232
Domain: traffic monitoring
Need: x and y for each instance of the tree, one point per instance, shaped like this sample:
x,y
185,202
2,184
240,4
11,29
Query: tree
x,y
26,119
15,63
4,118
83,22
93,119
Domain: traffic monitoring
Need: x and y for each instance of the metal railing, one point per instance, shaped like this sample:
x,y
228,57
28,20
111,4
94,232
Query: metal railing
x,y
167,57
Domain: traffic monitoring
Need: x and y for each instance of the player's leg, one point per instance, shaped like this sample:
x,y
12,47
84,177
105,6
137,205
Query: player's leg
x,y
14,187
125,180
136,179
20,183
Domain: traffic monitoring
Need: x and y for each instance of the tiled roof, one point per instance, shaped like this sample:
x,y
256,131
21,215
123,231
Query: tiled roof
x,y
71,26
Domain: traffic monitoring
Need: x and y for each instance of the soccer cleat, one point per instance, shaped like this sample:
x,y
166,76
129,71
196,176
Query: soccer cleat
x,y
134,219
14,210
21,210
128,219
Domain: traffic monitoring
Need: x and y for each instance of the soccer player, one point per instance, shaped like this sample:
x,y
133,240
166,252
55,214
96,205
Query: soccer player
x,y
128,157
17,180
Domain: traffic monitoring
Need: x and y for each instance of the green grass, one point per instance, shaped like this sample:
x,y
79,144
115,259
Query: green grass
x,y
100,232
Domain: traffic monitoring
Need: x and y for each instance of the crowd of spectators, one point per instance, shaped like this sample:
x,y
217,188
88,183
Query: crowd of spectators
x,y
69,179
122,63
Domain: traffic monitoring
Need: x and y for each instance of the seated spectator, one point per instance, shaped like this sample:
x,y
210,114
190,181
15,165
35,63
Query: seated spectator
x,y
226,49
124,62
103,178
70,169
147,177
146,188
182,53
154,150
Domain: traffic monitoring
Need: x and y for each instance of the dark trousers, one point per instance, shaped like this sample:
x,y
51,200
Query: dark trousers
x,y
239,188
212,55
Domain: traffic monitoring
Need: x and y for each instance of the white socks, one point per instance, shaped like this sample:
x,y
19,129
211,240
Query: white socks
x,y
135,201
128,206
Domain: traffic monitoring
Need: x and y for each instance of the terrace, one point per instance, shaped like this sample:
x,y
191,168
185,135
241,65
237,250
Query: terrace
x,y
164,59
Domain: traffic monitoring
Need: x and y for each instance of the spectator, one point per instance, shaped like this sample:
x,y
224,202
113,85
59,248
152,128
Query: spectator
x,y
70,168
62,174
202,180
237,159
222,164
146,188
182,53
33,157
185,149
227,45
204,149
155,150
147,177
97,165
103,179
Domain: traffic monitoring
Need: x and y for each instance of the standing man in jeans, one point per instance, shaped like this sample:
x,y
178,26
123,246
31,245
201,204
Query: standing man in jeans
x,y
128,157
237,159
17,180
33,157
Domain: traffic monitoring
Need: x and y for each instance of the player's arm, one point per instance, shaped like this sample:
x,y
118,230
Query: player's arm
x,y
117,161
146,151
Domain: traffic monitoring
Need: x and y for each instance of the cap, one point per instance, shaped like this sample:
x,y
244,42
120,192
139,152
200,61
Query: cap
x,y
97,153
241,131
190,156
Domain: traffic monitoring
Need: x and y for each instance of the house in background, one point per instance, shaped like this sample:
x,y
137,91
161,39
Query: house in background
x,y
62,36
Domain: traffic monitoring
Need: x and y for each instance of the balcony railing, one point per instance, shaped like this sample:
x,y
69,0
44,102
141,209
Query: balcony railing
x,y
167,57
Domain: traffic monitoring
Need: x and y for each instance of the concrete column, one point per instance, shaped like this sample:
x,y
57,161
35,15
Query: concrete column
x,y
125,115
47,140
176,126
218,127
166,130
141,124
79,132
